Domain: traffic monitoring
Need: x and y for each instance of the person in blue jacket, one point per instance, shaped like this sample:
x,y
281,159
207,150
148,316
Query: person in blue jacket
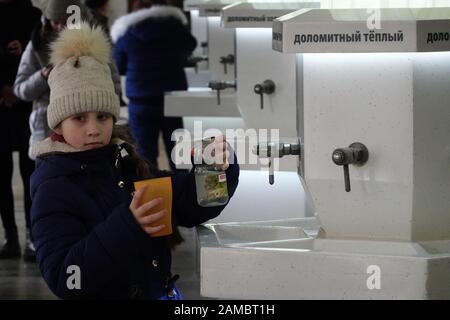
x,y
151,47
92,236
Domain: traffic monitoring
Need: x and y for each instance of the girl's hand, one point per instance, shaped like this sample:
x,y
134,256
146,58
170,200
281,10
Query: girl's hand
x,y
46,71
140,212
217,153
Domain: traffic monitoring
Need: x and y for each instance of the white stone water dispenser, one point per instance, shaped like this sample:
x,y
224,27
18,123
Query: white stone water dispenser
x,y
374,118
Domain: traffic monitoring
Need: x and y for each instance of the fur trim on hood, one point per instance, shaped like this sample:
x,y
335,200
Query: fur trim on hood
x,y
48,146
121,25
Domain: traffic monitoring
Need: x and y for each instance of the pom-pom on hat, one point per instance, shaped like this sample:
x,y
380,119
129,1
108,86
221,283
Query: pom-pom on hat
x,y
81,79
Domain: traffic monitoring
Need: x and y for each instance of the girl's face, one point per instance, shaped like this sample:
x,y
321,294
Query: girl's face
x,y
57,25
85,131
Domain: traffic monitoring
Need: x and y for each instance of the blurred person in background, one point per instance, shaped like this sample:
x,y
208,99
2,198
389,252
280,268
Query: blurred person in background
x,y
17,19
151,47
99,10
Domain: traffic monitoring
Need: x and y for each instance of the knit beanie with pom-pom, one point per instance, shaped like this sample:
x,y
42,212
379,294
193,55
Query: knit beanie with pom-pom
x,y
81,79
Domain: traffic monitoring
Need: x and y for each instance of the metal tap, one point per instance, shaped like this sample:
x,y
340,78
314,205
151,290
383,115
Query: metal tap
x,y
225,60
274,150
194,60
356,154
221,85
267,87
204,46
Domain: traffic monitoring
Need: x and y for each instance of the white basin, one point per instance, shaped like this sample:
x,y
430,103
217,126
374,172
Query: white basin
x,y
309,225
200,102
238,262
345,246
231,234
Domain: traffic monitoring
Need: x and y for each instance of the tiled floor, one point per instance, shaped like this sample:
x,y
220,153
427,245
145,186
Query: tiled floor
x,y
20,280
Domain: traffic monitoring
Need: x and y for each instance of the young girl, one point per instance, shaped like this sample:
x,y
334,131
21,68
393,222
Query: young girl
x,y
86,217
34,68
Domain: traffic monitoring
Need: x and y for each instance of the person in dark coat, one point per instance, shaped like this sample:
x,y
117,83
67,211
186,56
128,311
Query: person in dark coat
x,y
17,19
151,47
99,10
92,236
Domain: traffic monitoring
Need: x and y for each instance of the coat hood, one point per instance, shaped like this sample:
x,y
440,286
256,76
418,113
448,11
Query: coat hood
x,y
123,24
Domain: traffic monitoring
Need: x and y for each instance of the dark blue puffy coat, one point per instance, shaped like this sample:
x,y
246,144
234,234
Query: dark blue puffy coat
x,y
80,217
151,46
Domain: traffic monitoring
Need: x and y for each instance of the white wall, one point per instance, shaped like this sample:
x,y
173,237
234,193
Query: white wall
x,y
117,8
255,199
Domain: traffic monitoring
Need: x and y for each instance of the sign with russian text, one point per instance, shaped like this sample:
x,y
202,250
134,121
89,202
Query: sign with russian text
x,y
403,35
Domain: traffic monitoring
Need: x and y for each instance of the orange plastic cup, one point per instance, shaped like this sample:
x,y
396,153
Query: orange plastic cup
x,y
158,188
